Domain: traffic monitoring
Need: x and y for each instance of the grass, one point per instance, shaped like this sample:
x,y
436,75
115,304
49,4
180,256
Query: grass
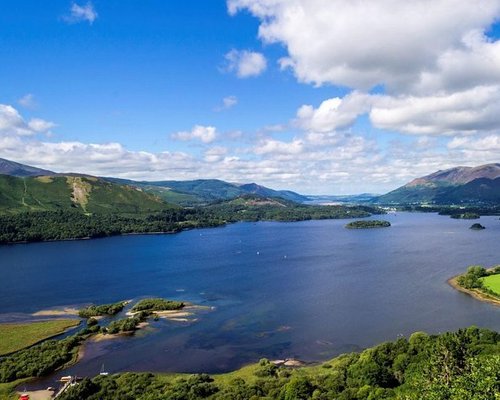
x,y
14,337
8,390
492,282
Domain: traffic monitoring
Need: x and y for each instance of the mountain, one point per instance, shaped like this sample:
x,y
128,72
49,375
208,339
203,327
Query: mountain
x,y
26,188
203,191
16,169
253,188
460,185
458,175
84,193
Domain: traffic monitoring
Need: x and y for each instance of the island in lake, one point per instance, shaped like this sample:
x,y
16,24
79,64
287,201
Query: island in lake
x,y
466,215
477,227
369,224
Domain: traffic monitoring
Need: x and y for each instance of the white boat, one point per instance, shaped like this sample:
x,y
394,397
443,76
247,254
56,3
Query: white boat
x,y
103,372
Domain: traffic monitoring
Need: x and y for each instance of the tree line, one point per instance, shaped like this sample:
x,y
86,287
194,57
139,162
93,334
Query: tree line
x,y
61,225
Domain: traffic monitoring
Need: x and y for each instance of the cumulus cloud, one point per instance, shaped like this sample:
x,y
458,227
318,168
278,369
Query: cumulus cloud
x,y
27,101
487,143
245,64
227,103
11,122
436,70
39,125
475,63
467,112
81,13
360,44
335,113
277,147
206,134
215,154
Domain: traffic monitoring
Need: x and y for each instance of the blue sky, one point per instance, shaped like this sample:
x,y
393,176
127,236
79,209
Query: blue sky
x,y
150,67
250,90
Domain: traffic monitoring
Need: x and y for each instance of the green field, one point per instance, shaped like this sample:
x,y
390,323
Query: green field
x,y
492,282
14,337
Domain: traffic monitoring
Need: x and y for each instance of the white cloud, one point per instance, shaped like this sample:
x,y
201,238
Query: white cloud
x,y
245,63
39,125
227,103
11,122
487,143
475,63
335,113
82,13
215,154
206,134
467,112
360,44
28,101
271,146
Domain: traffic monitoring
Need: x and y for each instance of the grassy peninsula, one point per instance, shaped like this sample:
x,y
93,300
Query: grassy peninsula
x,y
368,224
44,358
14,337
479,282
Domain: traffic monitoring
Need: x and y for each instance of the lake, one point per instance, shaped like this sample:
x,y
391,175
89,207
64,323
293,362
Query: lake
x,y
309,290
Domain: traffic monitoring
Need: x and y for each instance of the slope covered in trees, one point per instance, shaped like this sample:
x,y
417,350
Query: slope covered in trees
x,y
59,225
456,366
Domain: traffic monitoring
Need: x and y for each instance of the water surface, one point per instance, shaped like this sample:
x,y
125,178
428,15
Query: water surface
x,y
309,290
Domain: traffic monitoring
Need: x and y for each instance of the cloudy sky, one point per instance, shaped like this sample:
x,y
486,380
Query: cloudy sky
x,y
317,96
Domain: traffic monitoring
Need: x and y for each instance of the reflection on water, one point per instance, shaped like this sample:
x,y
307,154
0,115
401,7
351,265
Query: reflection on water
x,y
308,290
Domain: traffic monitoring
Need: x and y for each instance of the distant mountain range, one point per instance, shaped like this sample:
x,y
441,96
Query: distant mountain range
x,y
460,185
26,188
23,187
15,169
203,191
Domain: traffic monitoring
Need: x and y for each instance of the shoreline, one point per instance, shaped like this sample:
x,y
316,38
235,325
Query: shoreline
x,y
179,230
478,295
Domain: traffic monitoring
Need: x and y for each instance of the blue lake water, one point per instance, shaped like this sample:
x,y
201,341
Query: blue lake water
x,y
309,290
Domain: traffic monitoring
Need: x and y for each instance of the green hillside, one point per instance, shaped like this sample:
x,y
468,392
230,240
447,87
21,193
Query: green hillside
x,y
205,191
87,194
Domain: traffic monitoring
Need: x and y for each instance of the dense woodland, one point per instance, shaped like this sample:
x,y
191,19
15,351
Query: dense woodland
x,y
368,224
60,225
44,358
100,310
150,305
464,365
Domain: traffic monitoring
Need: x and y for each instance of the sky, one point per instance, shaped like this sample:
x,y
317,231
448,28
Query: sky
x,y
316,96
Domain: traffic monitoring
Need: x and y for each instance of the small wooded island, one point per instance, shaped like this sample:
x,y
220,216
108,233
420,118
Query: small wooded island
x,y
466,215
477,227
480,283
369,224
